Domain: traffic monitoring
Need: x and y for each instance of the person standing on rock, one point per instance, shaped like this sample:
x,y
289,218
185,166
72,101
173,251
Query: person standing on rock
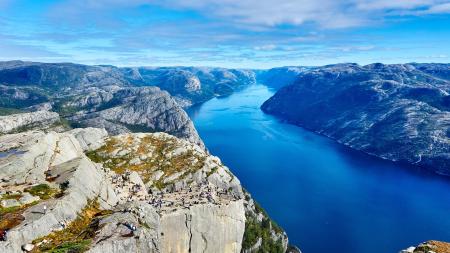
x,y
3,235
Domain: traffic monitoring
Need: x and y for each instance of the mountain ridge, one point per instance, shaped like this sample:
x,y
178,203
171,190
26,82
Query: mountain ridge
x,y
397,112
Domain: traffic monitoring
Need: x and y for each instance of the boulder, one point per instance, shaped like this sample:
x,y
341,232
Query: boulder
x,y
8,203
27,198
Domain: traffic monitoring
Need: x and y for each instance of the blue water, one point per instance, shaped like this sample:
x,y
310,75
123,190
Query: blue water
x,y
327,197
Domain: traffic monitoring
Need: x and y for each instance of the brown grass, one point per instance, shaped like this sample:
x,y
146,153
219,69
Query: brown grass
x,y
157,150
77,235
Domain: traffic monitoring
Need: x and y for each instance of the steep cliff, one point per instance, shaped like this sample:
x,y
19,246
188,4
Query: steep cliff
x,y
397,112
85,191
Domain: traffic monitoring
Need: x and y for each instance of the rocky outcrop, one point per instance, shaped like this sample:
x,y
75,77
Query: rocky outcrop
x,y
429,247
28,121
125,110
46,165
145,192
397,112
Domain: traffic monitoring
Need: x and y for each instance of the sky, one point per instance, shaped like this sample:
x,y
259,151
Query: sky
x,y
225,33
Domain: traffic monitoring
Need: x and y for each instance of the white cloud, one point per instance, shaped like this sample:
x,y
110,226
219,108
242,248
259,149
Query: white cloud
x,y
268,47
325,13
440,8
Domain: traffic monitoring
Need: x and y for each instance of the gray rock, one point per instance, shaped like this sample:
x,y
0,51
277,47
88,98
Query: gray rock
x,y
57,159
7,203
197,229
27,121
27,198
396,112
89,138
64,156
145,109
28,247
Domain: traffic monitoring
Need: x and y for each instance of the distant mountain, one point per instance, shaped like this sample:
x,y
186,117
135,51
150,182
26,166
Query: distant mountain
x,y
280,77
93,96
192,85
30,82
397,112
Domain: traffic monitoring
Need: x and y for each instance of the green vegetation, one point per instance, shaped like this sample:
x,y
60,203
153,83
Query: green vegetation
x,y
12,216
43,191
255,230
35,96
6,210
212,171
274,225
71,247
60,106
7,111
77,236
15,196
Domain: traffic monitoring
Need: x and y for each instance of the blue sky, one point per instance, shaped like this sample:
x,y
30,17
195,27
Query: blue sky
x,y
227,33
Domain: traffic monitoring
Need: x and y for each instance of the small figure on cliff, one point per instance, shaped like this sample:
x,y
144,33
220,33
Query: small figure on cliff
x,y
3,235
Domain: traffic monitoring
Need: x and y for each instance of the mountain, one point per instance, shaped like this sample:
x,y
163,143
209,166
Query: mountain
x,y
97,96
84,191
192,85
397,112
118,99
279,77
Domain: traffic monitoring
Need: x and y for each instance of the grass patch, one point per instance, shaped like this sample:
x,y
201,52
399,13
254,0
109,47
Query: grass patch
x,y
71,247
43,191
6,210
15,196
76,237
12,216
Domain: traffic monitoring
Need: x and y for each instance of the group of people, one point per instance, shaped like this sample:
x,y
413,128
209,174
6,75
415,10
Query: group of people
x,y
184,198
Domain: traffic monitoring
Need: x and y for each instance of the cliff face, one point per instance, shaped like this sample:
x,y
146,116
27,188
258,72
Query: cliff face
x,y
397,112
82,190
